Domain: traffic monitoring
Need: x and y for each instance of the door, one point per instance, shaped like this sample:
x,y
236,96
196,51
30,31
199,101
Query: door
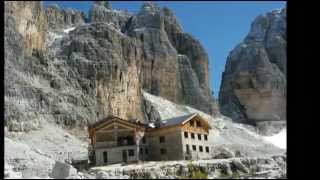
x,y
105,157
124,155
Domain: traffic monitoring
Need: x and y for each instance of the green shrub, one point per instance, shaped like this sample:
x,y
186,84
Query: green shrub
x,y
199,175
196,172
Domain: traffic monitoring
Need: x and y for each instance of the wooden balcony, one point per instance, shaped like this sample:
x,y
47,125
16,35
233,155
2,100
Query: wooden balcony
x,y
110,144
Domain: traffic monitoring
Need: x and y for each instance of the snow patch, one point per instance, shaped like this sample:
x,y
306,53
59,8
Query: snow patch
x,y
151,125
140,29
279,140
51,37
114,28
225,133
69,29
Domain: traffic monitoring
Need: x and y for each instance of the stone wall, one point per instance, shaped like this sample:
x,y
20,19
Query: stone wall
x,y
172,144
115,155
197,154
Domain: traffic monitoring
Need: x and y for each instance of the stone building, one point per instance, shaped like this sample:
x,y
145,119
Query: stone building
x,y
114,140
184,137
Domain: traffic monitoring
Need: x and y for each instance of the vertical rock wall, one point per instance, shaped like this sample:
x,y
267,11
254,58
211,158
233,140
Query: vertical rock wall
x,y
253,88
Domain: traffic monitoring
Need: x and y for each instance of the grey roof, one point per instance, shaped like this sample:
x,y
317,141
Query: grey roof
x,y
176,120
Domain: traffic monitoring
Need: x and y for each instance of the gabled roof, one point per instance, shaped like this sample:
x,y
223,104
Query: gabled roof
x,y
176,120
110,118
181,120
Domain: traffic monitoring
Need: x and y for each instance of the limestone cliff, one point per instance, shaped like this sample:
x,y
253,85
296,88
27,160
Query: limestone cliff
x,y
253,88
164,44
85,70
102,12
57,18
105,64
28,20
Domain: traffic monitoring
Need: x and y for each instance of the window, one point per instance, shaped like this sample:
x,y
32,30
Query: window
x,y
198,124
146,150
161,139
186,134
207,149
131,152
105,156
199,136
206,137
192,135
141,151
187,148
191,123
144,140
200,149
163,151
194,147
124,141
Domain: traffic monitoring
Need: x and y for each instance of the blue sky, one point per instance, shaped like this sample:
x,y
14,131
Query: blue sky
x,y
219,26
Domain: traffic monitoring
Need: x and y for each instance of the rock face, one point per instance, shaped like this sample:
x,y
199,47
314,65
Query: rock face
x,y
102,12
84,76
163,70
105,64
28,20
72,72
159,67
199,96
58,19
151,112
253,88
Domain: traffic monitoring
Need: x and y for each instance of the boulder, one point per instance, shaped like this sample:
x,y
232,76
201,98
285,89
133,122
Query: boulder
x,y
151,112
222,153
237,165
62,171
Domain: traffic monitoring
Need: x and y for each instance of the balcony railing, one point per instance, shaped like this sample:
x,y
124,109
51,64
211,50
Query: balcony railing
x,y
107,144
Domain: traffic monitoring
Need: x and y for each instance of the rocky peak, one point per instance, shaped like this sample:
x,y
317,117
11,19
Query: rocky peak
x,y
165,46
270,29
59,19
172,26
105,4
102,12
54,6
149,16
169,15
253,88
149,8
269,24
99,69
